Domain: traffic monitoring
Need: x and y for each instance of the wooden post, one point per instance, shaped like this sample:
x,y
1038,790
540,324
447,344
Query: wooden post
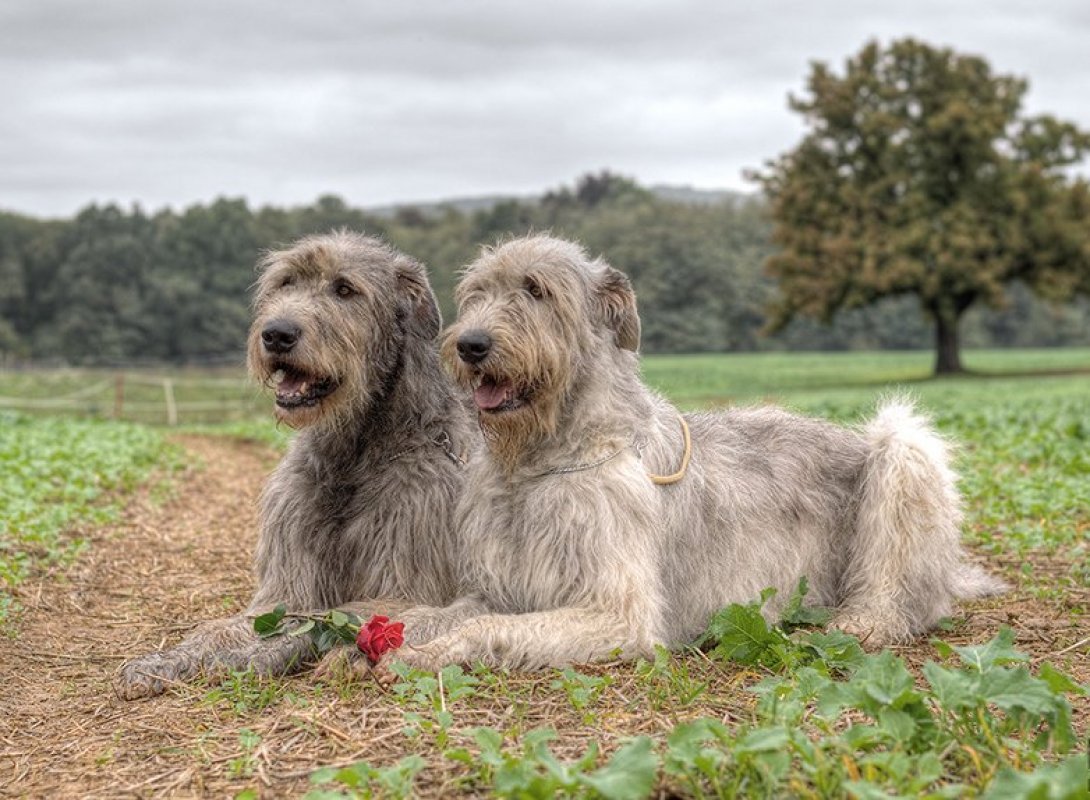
x,y
172,407
119,395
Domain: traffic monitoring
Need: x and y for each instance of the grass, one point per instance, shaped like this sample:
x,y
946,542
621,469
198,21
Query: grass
x,y
711,379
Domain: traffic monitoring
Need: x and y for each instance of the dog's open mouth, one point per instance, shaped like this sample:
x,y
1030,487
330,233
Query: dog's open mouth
x,y
494,395
298,389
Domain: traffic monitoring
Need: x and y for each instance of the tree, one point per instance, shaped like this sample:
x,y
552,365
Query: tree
x,y
920,175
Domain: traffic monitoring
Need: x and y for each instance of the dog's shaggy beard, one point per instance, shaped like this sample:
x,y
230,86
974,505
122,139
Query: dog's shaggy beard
x,y
346,371
541,377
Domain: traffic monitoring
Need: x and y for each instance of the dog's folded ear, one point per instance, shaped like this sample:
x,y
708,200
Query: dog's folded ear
x,y
618,303
422,310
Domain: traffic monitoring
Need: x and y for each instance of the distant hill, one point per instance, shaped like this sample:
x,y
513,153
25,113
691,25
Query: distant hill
x,y
467,205
700,197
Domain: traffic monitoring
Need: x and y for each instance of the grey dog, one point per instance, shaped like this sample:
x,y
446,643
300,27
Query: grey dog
x,y
599,520
361,506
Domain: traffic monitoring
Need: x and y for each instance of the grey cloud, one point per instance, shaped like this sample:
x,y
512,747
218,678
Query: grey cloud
x,y
171,102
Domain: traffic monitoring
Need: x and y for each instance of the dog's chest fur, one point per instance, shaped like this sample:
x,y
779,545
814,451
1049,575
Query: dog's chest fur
x,y
530,551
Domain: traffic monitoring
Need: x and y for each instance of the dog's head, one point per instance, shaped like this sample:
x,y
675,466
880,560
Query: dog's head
x,y
331,314
534,314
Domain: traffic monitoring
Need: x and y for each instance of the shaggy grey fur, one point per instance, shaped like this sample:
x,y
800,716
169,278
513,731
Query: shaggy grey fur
x,y
361,505
574,553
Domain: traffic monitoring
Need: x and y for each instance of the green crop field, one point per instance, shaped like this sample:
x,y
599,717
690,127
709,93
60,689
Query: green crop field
x,y
57,475
790,710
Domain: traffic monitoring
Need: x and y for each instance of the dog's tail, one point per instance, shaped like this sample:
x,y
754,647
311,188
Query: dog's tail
x,y
907,564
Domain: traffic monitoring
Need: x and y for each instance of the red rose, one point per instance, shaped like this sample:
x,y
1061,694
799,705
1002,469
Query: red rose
x,y
378,636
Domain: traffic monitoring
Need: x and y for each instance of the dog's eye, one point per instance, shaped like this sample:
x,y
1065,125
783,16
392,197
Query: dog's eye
x,y
534,289
288,280
343,289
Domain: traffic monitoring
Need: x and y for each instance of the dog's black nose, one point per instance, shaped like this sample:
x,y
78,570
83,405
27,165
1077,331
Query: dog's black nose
x,y
280,336
473,346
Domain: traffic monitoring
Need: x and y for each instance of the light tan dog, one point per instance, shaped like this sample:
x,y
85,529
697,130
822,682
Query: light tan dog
x,y
598,519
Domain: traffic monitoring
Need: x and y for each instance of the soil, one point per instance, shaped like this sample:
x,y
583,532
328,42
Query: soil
x,y
172,562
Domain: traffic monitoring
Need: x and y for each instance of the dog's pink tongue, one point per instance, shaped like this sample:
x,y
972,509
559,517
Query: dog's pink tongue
x,y
291,384
490,395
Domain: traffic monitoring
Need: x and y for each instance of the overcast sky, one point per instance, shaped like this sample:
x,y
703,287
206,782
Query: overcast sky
x,y
171,103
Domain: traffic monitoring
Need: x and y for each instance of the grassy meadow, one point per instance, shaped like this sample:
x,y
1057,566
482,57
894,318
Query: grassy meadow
x,y
995,705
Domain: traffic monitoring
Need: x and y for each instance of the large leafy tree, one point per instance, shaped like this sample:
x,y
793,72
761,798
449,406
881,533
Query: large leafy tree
x,y
921,175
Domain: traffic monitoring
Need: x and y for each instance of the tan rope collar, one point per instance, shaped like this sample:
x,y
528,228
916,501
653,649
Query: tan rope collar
x,y
668,480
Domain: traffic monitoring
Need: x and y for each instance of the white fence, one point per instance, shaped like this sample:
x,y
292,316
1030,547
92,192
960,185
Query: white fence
x,y
141,396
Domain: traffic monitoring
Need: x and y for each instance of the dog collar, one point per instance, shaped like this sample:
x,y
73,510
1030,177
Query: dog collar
x,y
638,445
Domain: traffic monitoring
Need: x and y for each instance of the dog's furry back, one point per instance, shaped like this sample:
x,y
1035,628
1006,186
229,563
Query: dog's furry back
x,y
867,516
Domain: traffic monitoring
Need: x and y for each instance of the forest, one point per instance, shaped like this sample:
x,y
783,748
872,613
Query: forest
x,y
115,285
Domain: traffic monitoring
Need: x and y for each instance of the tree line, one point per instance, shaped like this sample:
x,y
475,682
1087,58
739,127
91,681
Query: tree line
x,y
114,285
921,207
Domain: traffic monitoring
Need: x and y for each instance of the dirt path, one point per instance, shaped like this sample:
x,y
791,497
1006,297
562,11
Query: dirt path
x,y
63,733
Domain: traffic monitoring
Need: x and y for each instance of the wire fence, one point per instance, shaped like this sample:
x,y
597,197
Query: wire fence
x,y
164,397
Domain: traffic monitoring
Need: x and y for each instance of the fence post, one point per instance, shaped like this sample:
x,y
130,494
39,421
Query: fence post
x,y
119,394
172,407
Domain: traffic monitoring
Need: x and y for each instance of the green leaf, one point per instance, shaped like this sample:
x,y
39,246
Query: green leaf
x,y
489,740
304,627
269,624
742,634
944,650
1060,682
885,679
358,774
865,790
835,649
629,774
954,690
762,740
337,618
1011,689
999,651
459,754
1068,780
796,614
687,738
323,775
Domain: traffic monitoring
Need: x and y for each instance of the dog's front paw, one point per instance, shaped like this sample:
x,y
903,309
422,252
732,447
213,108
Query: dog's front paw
x,y
147,676
430,657
342,664
872,630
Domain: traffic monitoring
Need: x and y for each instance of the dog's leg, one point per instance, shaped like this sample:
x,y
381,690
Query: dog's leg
x,y
213,649
534,640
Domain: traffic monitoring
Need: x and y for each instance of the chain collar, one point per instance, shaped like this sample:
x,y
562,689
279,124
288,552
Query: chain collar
x,y
638,445
443,441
